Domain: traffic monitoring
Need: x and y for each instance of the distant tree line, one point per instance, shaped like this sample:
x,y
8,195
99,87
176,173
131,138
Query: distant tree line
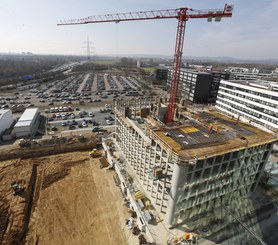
x,y
90,67
127,62
12,68
14,71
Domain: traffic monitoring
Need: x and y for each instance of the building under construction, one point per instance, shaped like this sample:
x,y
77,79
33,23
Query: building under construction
x,y
192,167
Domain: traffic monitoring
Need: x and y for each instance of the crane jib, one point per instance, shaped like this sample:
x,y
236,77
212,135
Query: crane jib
x,y
182,14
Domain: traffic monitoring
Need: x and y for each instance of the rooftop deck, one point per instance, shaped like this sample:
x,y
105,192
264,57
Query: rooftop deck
x,y
206,134
214,134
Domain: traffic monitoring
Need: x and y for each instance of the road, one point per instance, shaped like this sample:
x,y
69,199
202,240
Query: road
x,y
129,83
109,128
107,86
94,85
118,84
83,83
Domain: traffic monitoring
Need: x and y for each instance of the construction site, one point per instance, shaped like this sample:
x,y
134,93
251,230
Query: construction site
x,y
145,182
171,173
193,170
60,199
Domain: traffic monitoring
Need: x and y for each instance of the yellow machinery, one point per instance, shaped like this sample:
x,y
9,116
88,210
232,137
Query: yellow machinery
x,y
95,153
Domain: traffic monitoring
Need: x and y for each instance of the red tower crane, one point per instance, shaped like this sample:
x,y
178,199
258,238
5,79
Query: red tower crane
x,y
181,14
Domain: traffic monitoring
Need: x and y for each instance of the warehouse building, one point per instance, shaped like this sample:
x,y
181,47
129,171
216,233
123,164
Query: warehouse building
x,y
6,119
198,86
27,123
255,102
190,169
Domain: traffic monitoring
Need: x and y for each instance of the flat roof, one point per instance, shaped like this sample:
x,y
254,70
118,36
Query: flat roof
x,y
3,112
22,124
214,134
255,85
28,114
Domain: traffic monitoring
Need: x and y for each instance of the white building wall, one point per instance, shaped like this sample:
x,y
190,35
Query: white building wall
x,y
27,126
258,105
6,120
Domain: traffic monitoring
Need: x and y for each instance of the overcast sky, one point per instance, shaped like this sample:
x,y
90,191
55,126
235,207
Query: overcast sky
x,y
31,26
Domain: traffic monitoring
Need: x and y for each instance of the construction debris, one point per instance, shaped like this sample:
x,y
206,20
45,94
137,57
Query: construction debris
x,y
28,142
136,231
187,238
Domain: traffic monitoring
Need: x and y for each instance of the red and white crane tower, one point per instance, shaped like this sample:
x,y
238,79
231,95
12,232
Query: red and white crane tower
x,y
181,14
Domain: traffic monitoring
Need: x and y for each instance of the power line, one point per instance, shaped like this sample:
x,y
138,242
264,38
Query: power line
x,y
89,49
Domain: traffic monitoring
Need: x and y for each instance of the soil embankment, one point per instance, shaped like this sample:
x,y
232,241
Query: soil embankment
x,y
68,199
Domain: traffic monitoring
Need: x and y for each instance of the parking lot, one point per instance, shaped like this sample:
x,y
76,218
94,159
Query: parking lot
x,y
70,118
79,101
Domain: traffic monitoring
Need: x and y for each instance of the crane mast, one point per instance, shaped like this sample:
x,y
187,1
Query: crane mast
x,y
181,14
176,65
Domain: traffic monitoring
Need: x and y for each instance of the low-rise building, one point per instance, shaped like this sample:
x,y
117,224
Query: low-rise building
x,y
6,119
27,123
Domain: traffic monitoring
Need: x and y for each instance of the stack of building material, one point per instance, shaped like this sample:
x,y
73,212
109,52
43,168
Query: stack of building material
x,y
157,172
139,195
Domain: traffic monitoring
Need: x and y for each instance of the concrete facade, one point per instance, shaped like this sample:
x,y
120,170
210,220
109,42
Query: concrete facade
x,y
196,177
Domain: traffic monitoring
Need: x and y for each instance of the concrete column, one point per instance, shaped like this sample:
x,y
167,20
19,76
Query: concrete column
x,y
177,186
162,199
149,160
160,162
152,188
156,194
260,175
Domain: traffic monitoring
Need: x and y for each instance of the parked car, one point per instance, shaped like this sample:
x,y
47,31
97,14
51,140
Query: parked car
x,y
71,127
103,110
74,122
97,129
95,123
109,122
69,123
64,124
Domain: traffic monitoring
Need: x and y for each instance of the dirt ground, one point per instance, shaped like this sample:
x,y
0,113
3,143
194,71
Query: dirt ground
x,y
73,201
12,208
